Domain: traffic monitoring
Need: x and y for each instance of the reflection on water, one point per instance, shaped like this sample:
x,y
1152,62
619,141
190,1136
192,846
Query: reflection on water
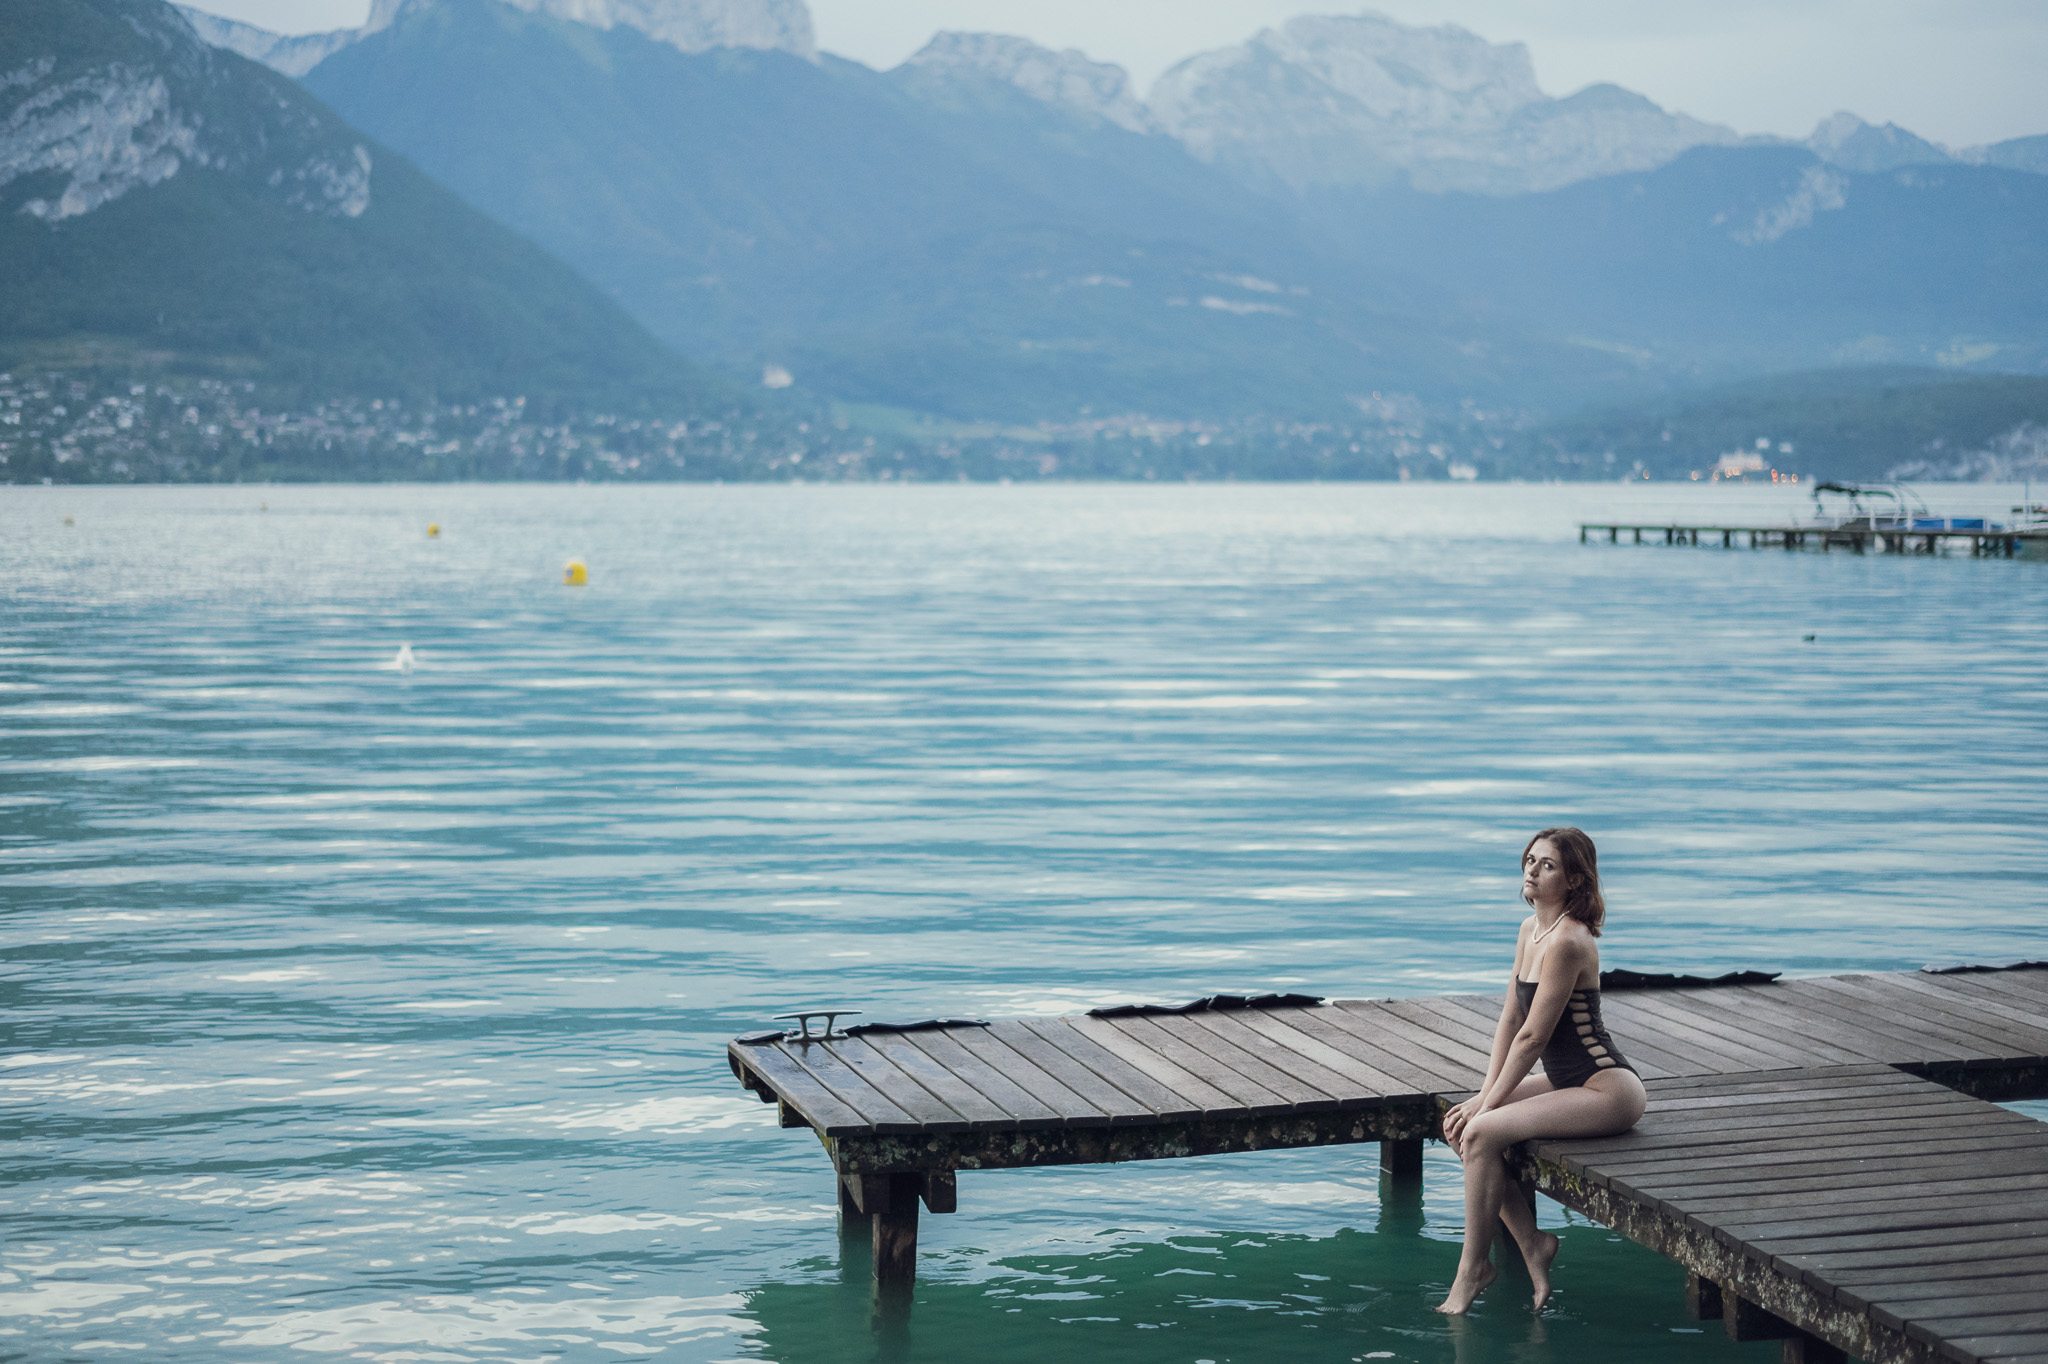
x,y
1358,1294
362,1013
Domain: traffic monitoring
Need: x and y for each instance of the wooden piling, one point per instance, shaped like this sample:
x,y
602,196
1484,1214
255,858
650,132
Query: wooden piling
x,y
895,1221
1401,1160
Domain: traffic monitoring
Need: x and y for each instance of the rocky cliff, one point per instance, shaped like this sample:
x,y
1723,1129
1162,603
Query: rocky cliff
x,y
84,123
688,25
1066,80
1354,100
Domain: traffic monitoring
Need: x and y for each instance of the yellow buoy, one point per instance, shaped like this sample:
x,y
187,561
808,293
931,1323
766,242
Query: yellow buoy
x,y
433,530
576,573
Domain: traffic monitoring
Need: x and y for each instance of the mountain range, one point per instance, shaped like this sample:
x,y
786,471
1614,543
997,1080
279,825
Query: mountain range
x,y
1339,218
172,207
1338,207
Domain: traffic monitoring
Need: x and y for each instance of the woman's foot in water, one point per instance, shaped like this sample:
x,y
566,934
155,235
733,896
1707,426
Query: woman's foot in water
x,y
1465,1288
1539,1267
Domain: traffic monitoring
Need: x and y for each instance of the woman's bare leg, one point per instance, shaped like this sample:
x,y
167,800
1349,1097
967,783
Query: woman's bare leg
x,y
1539,1247
1607,1104
1484,1203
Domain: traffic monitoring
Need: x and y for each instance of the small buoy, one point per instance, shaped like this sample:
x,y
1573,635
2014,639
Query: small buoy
x,y
403,663
262,506
433,530
576,573
69,522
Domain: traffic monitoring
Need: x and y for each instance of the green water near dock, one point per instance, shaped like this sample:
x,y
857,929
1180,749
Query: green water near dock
x,y
363,1014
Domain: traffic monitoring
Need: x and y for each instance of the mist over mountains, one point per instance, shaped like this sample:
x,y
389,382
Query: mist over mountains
x,y
1338,215
1337,207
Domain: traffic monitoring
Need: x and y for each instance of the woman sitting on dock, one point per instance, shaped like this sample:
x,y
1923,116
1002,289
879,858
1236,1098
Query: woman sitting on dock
x,y
1586,1088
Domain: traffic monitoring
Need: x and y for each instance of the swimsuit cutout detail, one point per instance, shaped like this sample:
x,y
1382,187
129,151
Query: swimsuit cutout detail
x,y
1579,1047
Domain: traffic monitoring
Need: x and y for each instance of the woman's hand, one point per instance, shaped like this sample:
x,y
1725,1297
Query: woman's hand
x,y
1456,1119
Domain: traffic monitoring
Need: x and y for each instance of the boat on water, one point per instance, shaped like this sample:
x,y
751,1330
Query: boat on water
x,y
1890,507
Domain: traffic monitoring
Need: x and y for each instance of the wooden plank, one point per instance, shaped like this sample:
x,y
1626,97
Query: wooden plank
x,y
1671,1106
1251,1056
1999,1348
1962,994
1931,1226
1628,1016
1123,1107
1384,1036
1708,1124
932,1113
1763,1004
1979,1276
1321,1025
1959,1137
1165,1103
1417,1046
1898,995
1246,1095
1206,1098
1913,1046
801,1090
1289,1028
1073,1108
1808,1077
1235,1027
1698,1051
949,1053
1743,1136
1451,1023
1927,1024
1793,1083
1713,1127
942,1082
1751,1052
2023,989
1907,1282
1903,1293
1399,1016
1706,1009
1678,1192
1671,1181
1963,1192
2020,1252
883,1114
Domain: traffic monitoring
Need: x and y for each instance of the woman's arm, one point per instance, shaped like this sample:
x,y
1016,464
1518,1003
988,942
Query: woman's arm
x,y
1503,1039
1562,966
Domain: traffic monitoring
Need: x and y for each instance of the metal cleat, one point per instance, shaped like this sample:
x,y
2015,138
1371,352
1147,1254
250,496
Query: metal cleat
x,y
803,1022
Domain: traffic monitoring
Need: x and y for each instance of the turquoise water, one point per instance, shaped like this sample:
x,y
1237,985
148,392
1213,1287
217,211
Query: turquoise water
x,y
369,1015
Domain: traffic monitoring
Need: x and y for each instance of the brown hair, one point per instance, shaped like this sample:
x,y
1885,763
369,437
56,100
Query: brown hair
x,y
1581,866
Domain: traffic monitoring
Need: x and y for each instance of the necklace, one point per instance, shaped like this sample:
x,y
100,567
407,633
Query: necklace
x,y
1539,937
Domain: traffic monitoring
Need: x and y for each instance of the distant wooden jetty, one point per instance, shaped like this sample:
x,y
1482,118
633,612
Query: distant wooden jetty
x,y
1820,1155
1985,542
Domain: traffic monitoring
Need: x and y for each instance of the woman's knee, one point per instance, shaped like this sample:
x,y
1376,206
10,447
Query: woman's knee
x,y
1485,1139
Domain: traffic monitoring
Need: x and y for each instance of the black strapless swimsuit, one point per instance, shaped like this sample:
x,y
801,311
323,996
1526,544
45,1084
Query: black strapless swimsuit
x,y
1579,1047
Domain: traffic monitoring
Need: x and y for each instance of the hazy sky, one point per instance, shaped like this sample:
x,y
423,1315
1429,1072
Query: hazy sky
x,y
1957,71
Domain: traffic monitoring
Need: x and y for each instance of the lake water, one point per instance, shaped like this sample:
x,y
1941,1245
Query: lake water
x,y
368,1015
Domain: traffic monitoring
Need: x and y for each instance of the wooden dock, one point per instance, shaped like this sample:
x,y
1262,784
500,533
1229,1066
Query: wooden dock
x,y
1985,542
1819,1154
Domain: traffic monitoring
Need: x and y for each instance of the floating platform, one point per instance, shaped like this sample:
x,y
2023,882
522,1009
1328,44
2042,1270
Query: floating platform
x,y
1820,1155
1930,536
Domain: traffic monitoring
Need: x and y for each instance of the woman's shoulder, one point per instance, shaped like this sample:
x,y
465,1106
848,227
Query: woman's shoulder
x,y
1577,945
